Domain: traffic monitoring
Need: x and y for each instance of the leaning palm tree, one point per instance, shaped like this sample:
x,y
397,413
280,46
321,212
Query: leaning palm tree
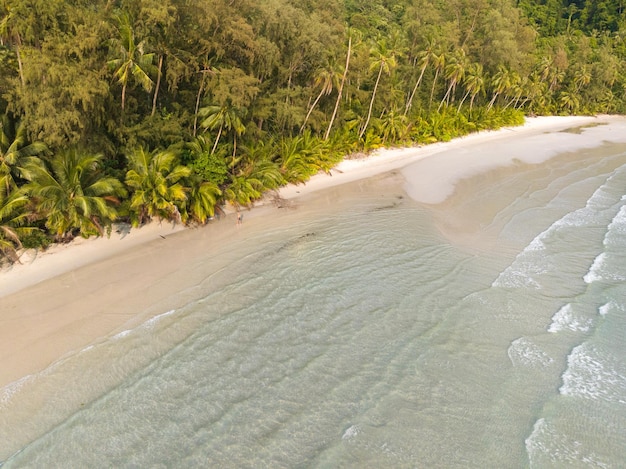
x,y
13,218
501,82
384,59
351,34
155,180
223,117
72,194
474,83
426,56
325,79
454,72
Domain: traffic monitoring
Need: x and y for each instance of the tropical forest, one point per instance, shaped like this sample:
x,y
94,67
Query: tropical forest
x,y
131,110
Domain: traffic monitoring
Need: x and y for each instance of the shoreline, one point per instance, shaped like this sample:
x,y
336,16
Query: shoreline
x,y
38,266
48,311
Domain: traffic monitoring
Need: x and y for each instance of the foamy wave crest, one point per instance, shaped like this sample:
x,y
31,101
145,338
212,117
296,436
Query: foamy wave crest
x,y
152,321
520,274
617,227
146,325
522,351
591,375
566,319
608,265
351,432
532,260
594,273
11,389
605,308
546,446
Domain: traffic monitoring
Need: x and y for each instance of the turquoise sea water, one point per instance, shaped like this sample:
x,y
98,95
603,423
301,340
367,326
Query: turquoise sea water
x,y
365,333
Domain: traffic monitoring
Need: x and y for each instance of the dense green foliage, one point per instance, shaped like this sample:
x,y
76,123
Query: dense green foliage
x,y
191,104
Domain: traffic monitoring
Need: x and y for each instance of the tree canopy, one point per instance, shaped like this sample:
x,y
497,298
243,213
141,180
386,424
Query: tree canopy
x,y
249,95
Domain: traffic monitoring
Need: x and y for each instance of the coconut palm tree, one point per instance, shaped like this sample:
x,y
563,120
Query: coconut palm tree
x,y
582,77
394,127
474,83
223,117
156,181
454,73
325,79
72,194
501,82
202,198
351,34
132,60
13,218
384,60
15,152
439,62
569,101
425,58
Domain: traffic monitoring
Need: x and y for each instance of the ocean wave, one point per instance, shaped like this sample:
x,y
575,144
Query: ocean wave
x,y
523,351
593,375
531,261
566,319
547,446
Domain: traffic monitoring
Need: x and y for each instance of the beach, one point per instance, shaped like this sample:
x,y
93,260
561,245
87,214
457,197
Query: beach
x,y
56,301
76,298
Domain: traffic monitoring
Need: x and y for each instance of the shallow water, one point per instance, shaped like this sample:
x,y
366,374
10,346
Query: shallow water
x,y
371,331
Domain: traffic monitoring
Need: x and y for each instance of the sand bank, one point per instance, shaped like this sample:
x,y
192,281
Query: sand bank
x,y
64,299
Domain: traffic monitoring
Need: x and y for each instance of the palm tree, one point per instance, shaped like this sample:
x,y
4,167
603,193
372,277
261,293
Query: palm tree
x,y
394,127
454,72
15,152
202,197
582,77
132,61
342,84
325,78
383,59
155,180
474,83
569,101
72,193
501,83
13,217
425,58
222,117
439,62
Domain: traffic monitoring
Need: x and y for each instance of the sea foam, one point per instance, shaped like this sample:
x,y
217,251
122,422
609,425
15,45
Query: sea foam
x,y
594,375
566,319
523,351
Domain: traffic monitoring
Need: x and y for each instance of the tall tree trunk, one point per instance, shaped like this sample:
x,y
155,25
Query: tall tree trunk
x,y
158,83
20,66
319,96
432,89
462,101
195,116
217,139
339,93
417,84
369,112
123,95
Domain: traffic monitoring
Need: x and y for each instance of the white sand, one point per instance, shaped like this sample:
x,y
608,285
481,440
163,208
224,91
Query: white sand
x,y
46,311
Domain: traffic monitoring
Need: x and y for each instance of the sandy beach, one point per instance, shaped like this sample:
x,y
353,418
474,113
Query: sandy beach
x,y
64,299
